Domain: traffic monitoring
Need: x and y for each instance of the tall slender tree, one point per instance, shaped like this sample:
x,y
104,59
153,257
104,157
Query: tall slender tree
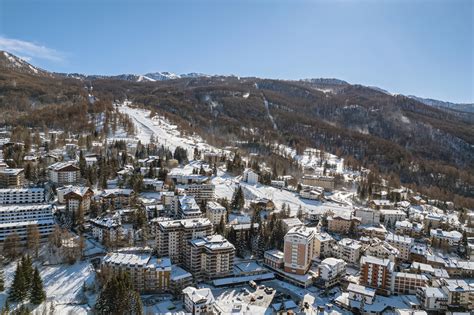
x,y
37,293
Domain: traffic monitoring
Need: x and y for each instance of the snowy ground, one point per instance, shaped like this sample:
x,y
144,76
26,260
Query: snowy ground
x,y
163,131
226,184
63,285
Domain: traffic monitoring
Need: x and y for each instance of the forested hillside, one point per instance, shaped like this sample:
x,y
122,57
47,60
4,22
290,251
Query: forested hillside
x,y
423,146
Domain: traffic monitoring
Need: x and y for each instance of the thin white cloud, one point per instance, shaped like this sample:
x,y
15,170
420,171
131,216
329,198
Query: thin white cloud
x,y
28,50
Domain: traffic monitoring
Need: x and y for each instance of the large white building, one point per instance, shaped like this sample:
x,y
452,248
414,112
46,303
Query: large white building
x,y
368,216
17,219
63,173
21,195
450,238
348,250
187,207
201,192
391,216
330,271
215,212
402,243
250,176
198,301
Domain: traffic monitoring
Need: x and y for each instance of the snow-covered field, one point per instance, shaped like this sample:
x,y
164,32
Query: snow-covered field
x,y
164,132
226,184
63,285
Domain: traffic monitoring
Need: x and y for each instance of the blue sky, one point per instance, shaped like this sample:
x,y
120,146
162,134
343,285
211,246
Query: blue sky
x,y
411,47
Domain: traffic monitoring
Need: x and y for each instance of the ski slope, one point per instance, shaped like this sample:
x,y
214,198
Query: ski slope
x,y
165,133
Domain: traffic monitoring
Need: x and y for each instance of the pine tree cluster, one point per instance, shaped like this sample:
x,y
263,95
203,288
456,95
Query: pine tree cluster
x,y
119,297
27,283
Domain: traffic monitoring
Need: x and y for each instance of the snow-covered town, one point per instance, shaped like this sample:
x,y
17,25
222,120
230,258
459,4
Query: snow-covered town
x,y
202,229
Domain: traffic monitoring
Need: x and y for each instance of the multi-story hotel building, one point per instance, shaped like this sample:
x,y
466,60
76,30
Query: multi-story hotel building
x,y
215,212
12,178
402,243
107,228
117,198
173,236
63,173
148,274
78,197
343,225
187,208
408,283
299,249
326,182
348,250
21,195
17,219
210,257
201,192
323,244
330,272
376,273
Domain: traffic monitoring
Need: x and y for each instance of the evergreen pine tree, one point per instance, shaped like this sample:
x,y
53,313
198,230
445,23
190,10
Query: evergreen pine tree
x,y
2,281
37,293
18,290
119,297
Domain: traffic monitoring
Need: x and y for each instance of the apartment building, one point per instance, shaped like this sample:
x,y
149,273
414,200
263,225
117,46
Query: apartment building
x,y
360,293
409,228
432,299
117,198
459,293
172,236
312,193
107,229
179,280
342,224
326,182
348,250
402,243
12,178
210,257
17,219
408,283
63,173
330,272
201,192
390,217
368,216
376,273
381,249
299,249
215,212
147,273
249,176
440,238
187,208
198,301
323,244
21,195
78,197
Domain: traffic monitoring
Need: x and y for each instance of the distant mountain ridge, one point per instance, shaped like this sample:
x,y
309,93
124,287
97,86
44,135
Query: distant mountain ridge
x,y
464,107
10,61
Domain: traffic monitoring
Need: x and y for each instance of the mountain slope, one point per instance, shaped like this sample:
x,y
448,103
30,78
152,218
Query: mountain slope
x,y
424,146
